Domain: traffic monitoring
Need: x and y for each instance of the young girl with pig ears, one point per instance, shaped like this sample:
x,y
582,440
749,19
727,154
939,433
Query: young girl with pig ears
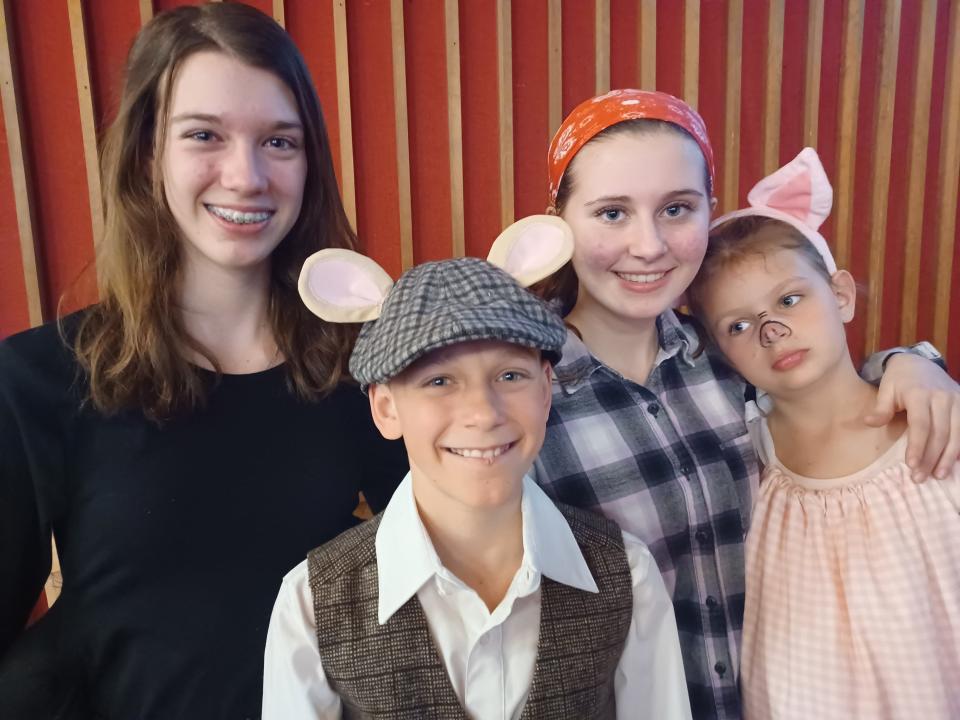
x,y
853,569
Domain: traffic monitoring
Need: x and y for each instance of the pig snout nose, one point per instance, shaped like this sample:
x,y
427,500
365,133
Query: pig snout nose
x,y
771,332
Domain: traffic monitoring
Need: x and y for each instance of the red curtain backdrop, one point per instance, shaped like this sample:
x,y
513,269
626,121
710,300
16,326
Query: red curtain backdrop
x,y
451,106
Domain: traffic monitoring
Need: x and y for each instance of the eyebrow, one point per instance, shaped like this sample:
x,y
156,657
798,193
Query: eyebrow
x,y
216,119
626,198
684,191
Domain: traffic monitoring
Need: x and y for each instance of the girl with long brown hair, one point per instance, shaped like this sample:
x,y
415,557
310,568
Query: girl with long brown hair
x,y
188,438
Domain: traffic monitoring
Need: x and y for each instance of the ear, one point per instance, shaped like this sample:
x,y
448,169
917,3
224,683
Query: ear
x,y
384,410
342,286
800,189
845,290
551,210
713,204
548,384
533,248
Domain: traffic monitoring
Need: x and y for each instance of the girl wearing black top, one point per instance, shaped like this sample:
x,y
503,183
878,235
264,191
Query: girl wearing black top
x,y
187,439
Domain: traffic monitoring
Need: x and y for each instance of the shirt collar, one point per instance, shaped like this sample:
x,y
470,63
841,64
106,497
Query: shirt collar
x,y
548,543
577,364
406,558
676,338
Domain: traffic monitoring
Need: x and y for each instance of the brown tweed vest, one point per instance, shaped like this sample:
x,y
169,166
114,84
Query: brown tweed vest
x,y
395,671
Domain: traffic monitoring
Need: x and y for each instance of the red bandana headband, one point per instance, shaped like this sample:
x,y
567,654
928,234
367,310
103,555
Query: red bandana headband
x,y
597,114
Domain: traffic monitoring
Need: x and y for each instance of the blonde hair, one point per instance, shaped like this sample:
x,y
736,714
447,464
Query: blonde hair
x,y
132,344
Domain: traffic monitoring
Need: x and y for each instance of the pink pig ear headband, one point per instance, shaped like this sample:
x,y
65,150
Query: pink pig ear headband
x,y
798,194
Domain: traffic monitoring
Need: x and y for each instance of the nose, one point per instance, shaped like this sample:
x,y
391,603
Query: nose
x,y
243,170
481,408
645,239
772,331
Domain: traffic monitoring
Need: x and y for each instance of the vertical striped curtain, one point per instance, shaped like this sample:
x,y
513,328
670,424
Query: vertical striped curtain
x,y
440,113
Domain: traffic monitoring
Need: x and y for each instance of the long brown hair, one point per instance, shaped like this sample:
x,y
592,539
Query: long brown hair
x,y
132,344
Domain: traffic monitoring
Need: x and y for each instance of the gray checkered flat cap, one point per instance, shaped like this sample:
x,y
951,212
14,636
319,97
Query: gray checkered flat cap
x,y
443,303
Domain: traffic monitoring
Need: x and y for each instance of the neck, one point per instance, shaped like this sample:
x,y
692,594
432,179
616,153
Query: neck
x,y
228,314
627,345
837,400
482,548
821,433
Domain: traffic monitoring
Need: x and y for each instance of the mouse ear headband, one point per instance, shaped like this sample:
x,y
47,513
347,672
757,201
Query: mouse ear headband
x,y
798,194
343,286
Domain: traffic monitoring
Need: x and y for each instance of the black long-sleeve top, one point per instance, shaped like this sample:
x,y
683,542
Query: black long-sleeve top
x,y
172,539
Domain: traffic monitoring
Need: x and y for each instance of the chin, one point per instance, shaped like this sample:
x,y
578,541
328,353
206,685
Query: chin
x,y
792,385
495,490
650,309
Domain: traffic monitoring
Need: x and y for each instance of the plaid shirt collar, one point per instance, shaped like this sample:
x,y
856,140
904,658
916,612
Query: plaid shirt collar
x,y
577,364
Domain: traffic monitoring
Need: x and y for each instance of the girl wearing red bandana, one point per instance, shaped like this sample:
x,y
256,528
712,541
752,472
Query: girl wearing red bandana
x,y
647,426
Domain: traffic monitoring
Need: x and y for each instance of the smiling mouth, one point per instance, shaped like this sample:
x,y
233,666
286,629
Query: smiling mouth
x,y
640,277
239,217
487,455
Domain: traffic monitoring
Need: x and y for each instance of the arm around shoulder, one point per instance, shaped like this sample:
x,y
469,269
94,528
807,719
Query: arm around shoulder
x,y
915,384
650,680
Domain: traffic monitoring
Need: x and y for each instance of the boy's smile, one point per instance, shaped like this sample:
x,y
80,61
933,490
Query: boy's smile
x,y
472,417
486,455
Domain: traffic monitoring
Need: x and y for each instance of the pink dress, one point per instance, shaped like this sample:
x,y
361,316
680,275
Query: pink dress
x,y
853,595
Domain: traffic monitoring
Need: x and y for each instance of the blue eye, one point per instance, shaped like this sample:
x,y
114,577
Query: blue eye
x,y
790,300
611,214
738,327
676,210
438,381
201,135
513,376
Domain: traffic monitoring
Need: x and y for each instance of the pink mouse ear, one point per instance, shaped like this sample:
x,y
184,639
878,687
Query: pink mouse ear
x,y
799,189
343,286
533,248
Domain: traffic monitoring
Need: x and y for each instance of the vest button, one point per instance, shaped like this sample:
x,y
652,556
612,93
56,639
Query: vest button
x,y
720,668
702,537
653,409
711,602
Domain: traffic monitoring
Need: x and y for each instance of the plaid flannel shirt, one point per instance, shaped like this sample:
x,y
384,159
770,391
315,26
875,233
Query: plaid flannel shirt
x,y
671,462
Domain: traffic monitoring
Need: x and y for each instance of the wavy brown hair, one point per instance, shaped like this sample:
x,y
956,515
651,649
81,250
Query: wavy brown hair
x,y
133,344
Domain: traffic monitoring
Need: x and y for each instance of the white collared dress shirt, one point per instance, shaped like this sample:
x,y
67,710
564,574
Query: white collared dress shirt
x,y
489,656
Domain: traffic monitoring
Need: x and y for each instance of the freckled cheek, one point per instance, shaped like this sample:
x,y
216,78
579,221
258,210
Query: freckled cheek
x,y
183,177
688,244
595,254
207,171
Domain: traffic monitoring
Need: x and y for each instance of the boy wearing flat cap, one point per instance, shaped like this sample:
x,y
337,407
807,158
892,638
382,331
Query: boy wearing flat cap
x,y
472,595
